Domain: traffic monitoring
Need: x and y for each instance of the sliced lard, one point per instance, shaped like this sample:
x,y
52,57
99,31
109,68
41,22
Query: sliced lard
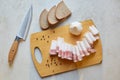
x,y
90,41
60,50
53,47
97,37
63,50
69,52
59,42
94,30
66,50
92,37
86,43
80,49
74,54
84,48
91,50
79,57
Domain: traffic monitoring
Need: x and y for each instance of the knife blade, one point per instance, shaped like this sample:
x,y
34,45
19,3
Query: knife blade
x,y
21,35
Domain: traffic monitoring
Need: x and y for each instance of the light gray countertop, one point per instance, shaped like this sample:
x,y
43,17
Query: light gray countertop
x,y
104,13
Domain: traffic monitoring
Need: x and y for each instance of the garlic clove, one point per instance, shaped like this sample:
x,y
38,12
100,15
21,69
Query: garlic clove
x,y
75,28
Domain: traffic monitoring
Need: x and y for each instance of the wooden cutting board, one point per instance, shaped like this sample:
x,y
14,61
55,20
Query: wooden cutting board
x,y
51,65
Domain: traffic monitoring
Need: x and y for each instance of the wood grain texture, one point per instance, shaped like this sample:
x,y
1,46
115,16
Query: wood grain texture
x,y
13,51
51,65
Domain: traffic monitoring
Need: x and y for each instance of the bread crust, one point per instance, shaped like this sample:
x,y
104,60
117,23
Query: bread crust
x,y
62,11
52,20
43,19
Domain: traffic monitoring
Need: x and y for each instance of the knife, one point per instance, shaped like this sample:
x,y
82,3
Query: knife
x,y
21,35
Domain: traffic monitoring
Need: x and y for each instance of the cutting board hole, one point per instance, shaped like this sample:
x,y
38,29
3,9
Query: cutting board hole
x,y
38,55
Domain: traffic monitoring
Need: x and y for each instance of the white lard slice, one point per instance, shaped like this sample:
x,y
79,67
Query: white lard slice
x,y
84,48
59,42
86,43
93,30
74,54
79,57
80,49
88,38
53,47
92,37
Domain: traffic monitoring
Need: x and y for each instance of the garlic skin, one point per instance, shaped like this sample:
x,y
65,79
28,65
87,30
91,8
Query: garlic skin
x,y
75,28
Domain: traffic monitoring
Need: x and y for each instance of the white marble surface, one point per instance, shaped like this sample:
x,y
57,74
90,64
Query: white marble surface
x,y
104,13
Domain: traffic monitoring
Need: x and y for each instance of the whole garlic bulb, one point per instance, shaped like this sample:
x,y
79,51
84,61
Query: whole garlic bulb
x,y
75,28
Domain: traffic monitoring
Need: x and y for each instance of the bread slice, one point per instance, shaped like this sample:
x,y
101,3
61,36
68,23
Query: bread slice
x,y
43,19
62,11
51,16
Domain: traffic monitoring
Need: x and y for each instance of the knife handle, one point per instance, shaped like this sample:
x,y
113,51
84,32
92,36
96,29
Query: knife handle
x,y
13,51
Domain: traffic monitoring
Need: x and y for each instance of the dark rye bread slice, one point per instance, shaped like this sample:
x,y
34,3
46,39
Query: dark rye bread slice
x,y
51,16
62,11
43,19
